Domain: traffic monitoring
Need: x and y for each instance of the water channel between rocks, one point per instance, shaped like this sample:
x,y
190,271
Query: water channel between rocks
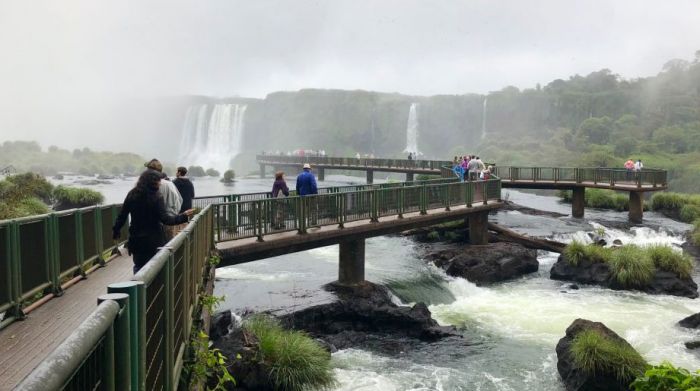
x,y
510,329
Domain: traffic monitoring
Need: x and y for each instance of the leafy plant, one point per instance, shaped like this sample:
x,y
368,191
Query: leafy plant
x,y
208,364
295,361
631,266
214,260
594,353
667,259
667,377
210,302
689,213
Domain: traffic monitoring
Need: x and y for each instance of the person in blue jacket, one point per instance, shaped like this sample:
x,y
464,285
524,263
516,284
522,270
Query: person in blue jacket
x,y
306,185
306,182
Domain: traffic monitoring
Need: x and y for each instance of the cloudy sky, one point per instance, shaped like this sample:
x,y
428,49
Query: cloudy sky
x,y
67,66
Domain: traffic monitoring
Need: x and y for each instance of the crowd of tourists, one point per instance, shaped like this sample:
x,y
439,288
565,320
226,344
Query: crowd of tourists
x,y
159,209
471,168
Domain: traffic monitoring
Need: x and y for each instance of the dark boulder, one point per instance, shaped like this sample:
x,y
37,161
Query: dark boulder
x,y
574,377
598,273
241,349
692,345
489,263
364,316
221,323
691,322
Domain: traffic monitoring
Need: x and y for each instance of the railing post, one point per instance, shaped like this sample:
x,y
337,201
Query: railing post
x,y
446,194
401,201
485,189
79,241
99,244
169,321
136,320
423,200
301,214
374,214
340,208
258,212
54,256
120,341
470,193
15,287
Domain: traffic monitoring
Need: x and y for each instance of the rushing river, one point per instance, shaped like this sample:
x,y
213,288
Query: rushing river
x,y
510,329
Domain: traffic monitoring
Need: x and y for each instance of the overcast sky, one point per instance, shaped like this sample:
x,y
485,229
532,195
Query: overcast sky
x,y
67,65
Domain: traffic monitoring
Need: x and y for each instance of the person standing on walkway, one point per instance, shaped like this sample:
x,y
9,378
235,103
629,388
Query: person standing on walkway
x,y
306,185
279,190
629,165
473,167
171,197
186,189
146,206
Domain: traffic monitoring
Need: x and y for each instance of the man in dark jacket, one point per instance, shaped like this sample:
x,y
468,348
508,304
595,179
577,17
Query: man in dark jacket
x,y
185,187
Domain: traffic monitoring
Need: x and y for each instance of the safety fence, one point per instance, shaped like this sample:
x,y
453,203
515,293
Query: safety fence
x,y
137,337
39,254
259,217
200,202
597,176
350,162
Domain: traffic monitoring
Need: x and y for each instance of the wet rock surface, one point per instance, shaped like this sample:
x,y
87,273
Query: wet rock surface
x,y
597,273
487,264
691,322
575,378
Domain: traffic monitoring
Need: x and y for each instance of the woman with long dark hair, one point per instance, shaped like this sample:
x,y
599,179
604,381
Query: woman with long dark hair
x,y
148,214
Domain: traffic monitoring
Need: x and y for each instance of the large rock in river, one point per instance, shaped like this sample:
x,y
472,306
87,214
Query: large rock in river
x,y
576,378
598,273
488,263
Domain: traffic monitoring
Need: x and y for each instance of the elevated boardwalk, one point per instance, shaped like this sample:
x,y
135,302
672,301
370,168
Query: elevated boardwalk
x,y
24,344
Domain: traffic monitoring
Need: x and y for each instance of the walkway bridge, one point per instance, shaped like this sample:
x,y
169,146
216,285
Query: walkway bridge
x,y
575,179
56,266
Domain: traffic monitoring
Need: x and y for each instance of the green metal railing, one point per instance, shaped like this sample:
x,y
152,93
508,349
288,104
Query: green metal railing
x,y
597,176
137,337
38,253
344,162
259,217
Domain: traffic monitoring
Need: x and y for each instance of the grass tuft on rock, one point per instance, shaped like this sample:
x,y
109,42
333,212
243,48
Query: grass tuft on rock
x,y
77,197
577,251
631,266
295,361
595,353
667,259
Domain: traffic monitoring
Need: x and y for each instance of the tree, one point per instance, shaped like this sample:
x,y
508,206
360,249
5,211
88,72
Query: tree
x,y
596,130
229,176
213,172
196,171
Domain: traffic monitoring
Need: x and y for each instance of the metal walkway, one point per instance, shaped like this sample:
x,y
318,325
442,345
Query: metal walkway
x,y
25,343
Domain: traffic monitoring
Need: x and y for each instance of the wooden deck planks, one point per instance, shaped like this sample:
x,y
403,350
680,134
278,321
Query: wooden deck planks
x,y
25,343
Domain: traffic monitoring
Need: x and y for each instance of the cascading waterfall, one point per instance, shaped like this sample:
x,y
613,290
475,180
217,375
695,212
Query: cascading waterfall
x,y
212,137
483,118
412,130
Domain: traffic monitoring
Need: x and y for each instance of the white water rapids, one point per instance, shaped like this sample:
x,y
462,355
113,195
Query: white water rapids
x,y
510,329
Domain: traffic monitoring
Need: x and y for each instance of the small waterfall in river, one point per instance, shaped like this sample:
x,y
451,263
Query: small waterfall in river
x,y
212,135
412,130
483,118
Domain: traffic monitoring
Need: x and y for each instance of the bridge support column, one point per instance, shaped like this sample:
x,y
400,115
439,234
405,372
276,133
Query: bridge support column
x,y
262,171
578,201
409,177
479,228
351,270
636,210
370,177
322,174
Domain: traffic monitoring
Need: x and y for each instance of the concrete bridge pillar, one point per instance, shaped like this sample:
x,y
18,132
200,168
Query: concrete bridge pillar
x,y
409,177
321,174
370,177
578,201
262,171
351,270
479,228
636,208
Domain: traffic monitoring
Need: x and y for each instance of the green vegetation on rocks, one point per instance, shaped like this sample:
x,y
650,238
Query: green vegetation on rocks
x,y
71,197
295,361
213,172
196,171
664,377
602,199
632,266
596,353
229,176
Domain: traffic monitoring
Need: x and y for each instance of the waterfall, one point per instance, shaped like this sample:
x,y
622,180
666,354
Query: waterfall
x,y
212,137
483,118
412,130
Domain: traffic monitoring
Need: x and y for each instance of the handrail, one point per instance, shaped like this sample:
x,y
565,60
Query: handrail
x,y
432,165
257,218
581,175
139,343
50,248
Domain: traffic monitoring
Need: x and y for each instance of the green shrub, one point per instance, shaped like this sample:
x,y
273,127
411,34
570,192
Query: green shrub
x,y
196,171
576,251
674,201
667,377
295,361
30,206
695,235
229,176
667,259
631,266
689,213
77,197
594,353
30,185
433,236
